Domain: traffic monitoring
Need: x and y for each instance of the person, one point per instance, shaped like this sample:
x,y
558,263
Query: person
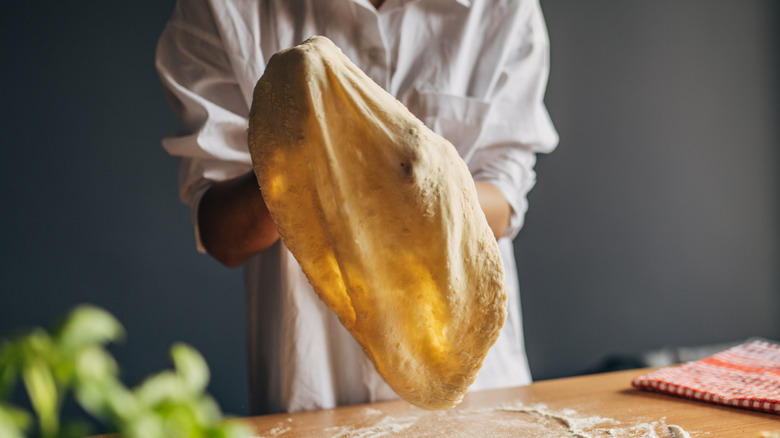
x,y
474,71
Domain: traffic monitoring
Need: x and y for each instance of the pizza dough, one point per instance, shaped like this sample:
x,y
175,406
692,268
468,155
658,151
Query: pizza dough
x,y
382,215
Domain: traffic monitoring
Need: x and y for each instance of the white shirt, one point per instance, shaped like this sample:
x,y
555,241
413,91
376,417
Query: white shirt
x,y
474,71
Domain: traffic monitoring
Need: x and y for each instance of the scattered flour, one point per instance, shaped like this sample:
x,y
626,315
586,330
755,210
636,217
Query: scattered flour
x,y
678,432
386,427
372,411
531,421
576,424
280,429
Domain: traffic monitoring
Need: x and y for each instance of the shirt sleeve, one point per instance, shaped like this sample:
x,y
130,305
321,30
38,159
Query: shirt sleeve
x,y
518,125
203,93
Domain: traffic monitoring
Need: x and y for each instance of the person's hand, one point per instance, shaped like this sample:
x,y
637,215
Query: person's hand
x,y
234,222
495,206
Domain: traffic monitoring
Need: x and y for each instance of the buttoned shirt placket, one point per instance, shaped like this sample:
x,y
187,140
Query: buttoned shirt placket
x,y
374,51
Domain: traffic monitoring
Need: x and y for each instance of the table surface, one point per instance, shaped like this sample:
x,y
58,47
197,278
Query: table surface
x,y
587,406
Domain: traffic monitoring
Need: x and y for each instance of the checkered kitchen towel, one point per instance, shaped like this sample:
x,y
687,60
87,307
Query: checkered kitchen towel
x,y
746,376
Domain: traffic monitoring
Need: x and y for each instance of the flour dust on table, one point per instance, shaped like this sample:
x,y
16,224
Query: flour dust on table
x,y
512,420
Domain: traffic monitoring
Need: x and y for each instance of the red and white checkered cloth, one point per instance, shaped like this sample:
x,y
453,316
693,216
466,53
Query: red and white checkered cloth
x,y
745,376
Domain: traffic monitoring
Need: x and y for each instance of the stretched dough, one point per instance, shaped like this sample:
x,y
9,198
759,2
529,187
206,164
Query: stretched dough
x,y
382,215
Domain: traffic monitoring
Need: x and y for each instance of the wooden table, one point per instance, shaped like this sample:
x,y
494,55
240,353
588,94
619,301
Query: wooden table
x,y
602,405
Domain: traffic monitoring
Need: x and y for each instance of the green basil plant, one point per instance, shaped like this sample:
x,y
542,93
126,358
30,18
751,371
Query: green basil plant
x,y
72,360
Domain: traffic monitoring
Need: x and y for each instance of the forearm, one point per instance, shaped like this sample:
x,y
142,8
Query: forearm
x,y
234,222
495,206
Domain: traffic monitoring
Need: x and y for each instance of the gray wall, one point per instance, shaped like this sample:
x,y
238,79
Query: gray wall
x,y
90,202
655,222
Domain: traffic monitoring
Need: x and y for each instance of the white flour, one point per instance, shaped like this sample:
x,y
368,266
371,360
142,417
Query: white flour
x,y
678,432
533,421
386,427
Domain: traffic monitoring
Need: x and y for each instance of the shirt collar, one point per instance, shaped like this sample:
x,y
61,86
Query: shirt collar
x,y
401,3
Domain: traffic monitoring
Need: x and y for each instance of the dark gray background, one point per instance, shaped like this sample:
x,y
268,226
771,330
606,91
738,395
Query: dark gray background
x,y
654,224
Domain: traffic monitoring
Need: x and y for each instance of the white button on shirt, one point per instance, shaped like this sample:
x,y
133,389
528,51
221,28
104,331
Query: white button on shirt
x,y
473,71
